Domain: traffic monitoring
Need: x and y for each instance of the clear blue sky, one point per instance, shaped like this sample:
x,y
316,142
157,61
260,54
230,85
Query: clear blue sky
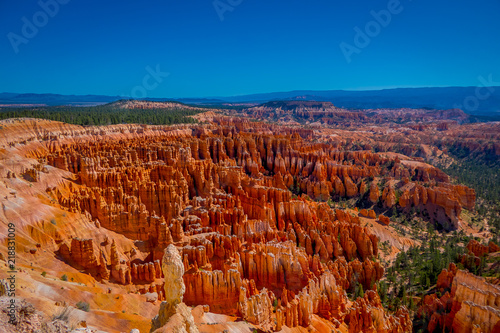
x,y
104,47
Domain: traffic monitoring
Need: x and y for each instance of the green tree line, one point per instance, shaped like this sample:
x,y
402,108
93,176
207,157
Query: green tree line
x,y
108,114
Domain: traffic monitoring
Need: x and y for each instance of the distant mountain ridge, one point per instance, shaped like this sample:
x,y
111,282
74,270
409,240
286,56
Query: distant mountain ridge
x,y
294,105
472,100
320,113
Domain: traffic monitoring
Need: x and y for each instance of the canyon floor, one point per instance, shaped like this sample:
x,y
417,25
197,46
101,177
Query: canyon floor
x,y
285,218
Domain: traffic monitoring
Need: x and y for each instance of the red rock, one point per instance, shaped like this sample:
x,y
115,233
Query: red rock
x,y
374,193
83,253
351,189
220,194
384,219
446,276
472,304
389,197
477,249
493,247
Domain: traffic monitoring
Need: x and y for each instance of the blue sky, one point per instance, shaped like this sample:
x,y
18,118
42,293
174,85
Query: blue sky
x,y
110,47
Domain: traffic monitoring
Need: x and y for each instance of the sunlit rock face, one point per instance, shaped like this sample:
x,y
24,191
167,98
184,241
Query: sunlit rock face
x,y
469,302
222,196
230,214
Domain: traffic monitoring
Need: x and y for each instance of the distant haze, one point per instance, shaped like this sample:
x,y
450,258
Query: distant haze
x,y
472,100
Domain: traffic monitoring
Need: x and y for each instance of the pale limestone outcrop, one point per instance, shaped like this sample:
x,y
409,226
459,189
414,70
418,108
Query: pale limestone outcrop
x,y
174,316
173,270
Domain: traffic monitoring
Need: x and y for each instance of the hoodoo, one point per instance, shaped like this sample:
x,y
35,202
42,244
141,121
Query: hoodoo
x,y
174,316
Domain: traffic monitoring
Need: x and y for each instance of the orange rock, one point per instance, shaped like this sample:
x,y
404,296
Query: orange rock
x,y
374,193
472,304
221,291
339,187
389,197
368,213
475,296
384,219
220,193
83,253
446,276
493,247
477,249
367,315
351,189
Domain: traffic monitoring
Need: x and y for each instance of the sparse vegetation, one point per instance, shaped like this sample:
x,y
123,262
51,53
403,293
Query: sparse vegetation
x,y
63,315
416,270
84,306
479,170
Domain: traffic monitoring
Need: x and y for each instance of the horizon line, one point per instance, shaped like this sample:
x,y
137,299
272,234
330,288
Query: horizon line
x,y
247,94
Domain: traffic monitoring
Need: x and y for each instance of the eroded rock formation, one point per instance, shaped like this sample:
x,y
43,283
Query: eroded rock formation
x,y
224,200
469,303
246,205
174,316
